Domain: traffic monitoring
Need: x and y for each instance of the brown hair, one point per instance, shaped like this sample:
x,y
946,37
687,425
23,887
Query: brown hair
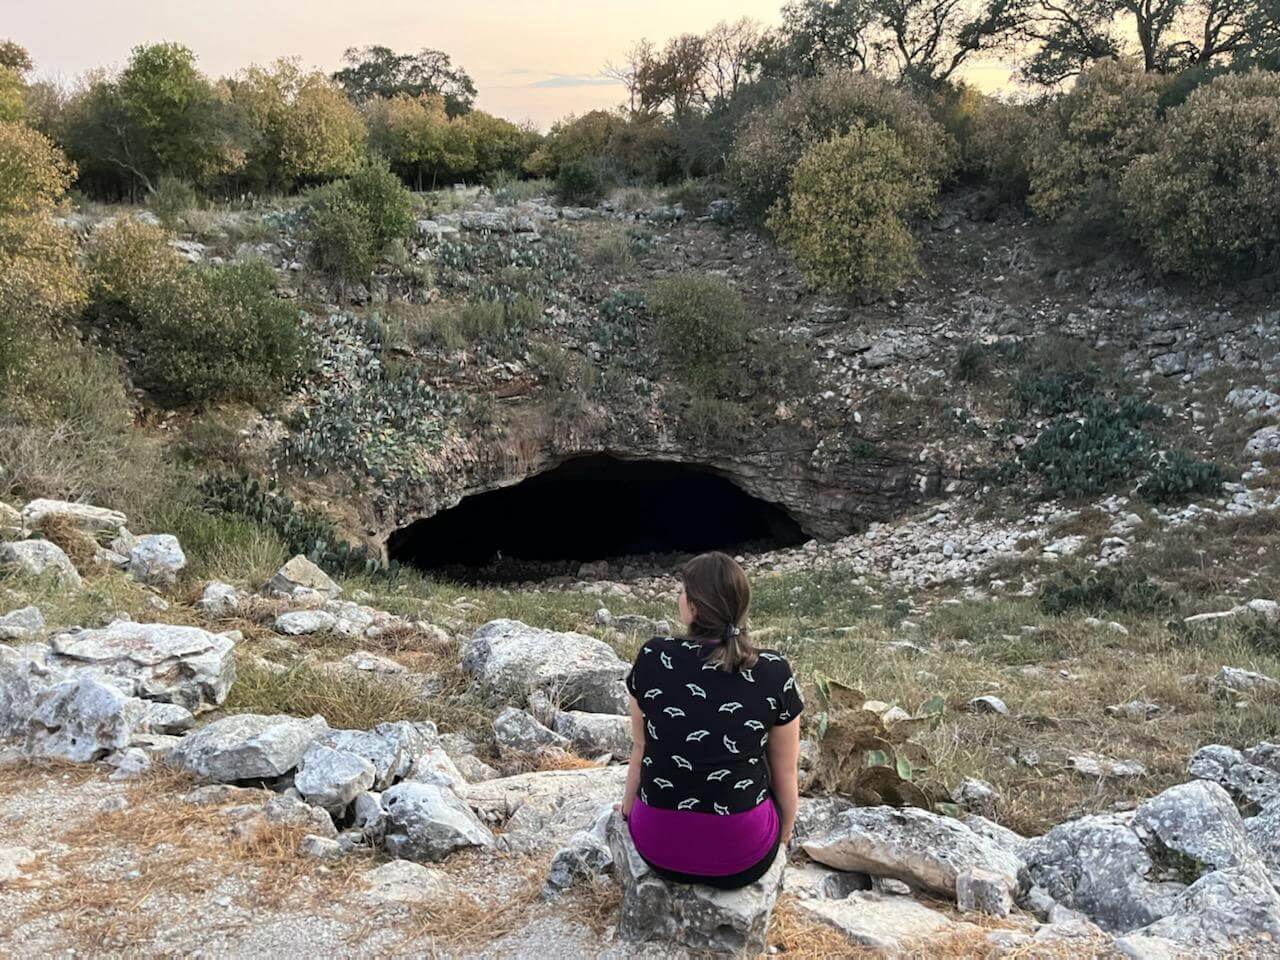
x,y
716,587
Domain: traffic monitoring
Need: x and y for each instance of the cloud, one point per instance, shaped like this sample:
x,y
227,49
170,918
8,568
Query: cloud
x,y
573,80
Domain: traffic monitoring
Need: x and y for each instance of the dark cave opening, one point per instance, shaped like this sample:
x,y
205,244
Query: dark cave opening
x,y
593,508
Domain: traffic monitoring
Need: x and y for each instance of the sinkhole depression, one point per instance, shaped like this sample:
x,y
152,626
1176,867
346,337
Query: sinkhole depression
x,y
591,508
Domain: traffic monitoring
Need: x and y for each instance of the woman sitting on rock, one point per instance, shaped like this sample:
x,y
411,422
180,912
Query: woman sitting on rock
x,y
713,784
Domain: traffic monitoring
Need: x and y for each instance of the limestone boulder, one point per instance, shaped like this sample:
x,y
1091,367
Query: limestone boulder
x,y
436,767
21,625
92,520
586,855
39,558
1253,784
402,882
219,600
880,921
23,677
1198,821
426,823
157,559
1263,832
157,661
923,849
511,660
542,811
518,730
247,746
332,778
385,754
697,917
301,578
1225,908
1099,866
81,720
297,623
593,734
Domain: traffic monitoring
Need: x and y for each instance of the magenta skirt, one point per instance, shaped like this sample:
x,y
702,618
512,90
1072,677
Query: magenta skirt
x,y
703,844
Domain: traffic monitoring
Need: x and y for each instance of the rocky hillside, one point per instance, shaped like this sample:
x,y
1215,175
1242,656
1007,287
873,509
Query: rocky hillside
x,y
1043,497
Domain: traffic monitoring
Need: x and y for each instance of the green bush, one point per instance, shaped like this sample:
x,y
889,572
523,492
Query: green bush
x,y
771,142
1089,136
1093,453
845,214
213,333
1204,202
1104,591
1176,476
172,199
580,182
340,242
354,221
998,147
973,363
702,330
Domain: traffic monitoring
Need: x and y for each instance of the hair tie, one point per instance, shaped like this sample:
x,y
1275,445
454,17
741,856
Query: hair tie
x,y
731,631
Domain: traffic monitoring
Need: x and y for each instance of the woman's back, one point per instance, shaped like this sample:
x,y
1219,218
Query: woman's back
x,y
707,729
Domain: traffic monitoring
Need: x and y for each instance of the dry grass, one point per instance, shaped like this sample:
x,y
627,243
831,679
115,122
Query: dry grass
x,y
177,851
60,529
469,919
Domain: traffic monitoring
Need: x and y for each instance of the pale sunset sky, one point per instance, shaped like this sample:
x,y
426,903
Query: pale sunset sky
x,y
533,60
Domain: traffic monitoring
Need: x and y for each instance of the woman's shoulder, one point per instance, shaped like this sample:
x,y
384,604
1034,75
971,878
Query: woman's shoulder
x,y
773,660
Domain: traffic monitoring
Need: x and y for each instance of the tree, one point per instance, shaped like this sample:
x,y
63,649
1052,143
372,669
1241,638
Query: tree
x,y
161,116
15,62
692,73
301,126
377,71
39,275
15,57
418,139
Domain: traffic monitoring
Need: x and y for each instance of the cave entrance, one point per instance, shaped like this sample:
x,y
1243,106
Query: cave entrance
x,y
592,508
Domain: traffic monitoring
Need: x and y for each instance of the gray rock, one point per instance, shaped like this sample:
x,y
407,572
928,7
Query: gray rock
x,y
219,600
511,659
1266,440
694,916
1196,820
283,809
1222,908
981,891
434,766
386,755
475,770
367,814
167,718
92,520
1104,768
988,704
1248,783
921,848
298,623
331,778
38,558
320,848
1099,866
881,921
595,733
404,882
519,730
247,746
427,823
542,811
82,720
977,796
157,559
1245,681
301,577
184,665
23,624
1263,832
817,816
586,855
11,858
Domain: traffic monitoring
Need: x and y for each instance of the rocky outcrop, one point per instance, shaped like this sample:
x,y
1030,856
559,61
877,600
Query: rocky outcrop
x,y
593,734
697,917
301,579
511,660
426,823
542,811
247,746
921,848
82,720
184,665
332,778
92,520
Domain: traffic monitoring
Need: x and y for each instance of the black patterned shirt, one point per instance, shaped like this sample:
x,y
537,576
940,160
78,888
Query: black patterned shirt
x,y
706,729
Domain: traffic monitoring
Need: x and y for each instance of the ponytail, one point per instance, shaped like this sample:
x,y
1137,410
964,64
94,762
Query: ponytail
x,y
718,590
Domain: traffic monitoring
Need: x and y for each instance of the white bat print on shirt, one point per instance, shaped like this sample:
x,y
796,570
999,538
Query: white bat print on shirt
x,y
673,712
754,725
743,784
773,704
790,684
731,707
710,666
748,676
697,736
666,660
688,804
723,811
696,690
681,762
730,745
650,694
770,656
648,761
718,774
648,725
761,795
663,783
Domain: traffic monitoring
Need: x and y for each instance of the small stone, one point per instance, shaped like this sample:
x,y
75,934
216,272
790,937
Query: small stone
x,y
38,558
301,575
981,891
23,625
302,622
321,848
157,559
988,704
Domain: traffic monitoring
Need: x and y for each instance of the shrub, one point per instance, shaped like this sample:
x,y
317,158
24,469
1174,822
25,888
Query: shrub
x,y
973,363
772,141
1089,136
390,207
845,214
574,139
1176,476
40,281
702,329
1114,588
580,182
214,332
1205,202
998,147
124,259
340,242
173,198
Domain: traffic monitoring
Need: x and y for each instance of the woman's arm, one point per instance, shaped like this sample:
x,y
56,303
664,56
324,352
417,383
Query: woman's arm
x,y
784,768
637,757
